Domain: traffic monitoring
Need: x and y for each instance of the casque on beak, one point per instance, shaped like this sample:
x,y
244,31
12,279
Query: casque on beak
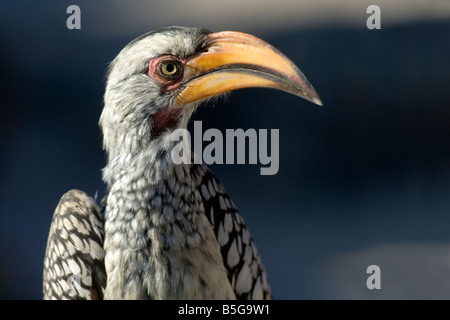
x,y
235,60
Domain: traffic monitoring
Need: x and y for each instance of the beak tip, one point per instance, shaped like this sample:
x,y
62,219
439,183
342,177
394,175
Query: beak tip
x,y
317,101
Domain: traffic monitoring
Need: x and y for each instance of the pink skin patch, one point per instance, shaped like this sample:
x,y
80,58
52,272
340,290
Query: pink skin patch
x,y
167,116
164,118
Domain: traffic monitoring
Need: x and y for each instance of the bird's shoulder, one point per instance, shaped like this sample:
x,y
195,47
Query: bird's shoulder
x,y
73,262
246,272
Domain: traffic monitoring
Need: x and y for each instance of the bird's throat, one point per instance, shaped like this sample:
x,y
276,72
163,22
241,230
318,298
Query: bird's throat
x,y
158,241
166,118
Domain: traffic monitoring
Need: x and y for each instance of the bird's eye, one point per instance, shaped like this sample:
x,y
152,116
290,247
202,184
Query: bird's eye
x,y
170,69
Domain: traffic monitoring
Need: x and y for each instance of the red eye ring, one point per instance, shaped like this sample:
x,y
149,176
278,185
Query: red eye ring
x,y
167,70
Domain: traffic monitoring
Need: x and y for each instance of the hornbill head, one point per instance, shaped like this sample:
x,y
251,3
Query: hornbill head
x,y
158,79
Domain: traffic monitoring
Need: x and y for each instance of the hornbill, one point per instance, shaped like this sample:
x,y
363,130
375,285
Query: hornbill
x,y
164,230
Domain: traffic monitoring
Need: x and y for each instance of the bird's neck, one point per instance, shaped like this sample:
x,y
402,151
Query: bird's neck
x,y
156,232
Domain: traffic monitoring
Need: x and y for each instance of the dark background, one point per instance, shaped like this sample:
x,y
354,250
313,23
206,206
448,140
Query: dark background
x,y
364,180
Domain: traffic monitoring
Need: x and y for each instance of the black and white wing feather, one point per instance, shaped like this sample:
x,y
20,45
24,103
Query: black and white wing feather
x,y
74,257
245,270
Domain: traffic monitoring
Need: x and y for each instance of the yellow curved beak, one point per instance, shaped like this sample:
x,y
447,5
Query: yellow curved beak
x,y
235,60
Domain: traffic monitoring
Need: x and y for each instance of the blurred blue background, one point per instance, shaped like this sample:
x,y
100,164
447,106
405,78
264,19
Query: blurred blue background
x,y
364,180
